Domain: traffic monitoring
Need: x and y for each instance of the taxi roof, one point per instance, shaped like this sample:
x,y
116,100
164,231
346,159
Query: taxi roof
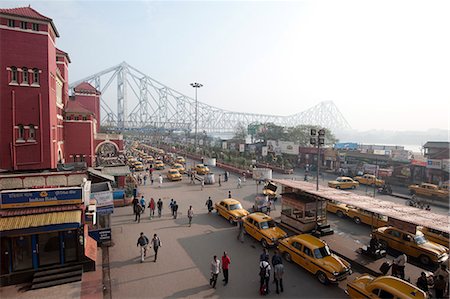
x,y
178,164
230,201
200,165
159,161
173,170
398,284
259,217
344,178
311,240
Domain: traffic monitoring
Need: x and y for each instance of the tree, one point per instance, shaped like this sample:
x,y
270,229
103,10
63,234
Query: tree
x,y
240,132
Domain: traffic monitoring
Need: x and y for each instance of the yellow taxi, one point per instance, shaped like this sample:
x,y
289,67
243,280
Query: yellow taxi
x,y
435,235
343,182
367,286
263,229
173,175
179,167
415,245
159,165
138,166
429,190
369,179
230,209
201,169
150,159
180,160
362,216
270,190
338,208
315,256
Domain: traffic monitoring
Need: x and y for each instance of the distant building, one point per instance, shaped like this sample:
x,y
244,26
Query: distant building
x,y
437,155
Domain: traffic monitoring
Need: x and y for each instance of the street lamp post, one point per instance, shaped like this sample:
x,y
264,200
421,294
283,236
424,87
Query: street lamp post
x,y
317,138
196,86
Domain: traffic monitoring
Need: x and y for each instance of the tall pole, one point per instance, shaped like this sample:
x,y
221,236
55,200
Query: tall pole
x,y
318,165
196,86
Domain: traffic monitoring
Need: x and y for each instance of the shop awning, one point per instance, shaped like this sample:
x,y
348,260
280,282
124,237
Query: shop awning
x,y
100,174
116,170
46,219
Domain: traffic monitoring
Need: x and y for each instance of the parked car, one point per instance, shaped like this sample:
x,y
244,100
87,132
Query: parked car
x,y
435,235
159,165
138,166
270,190
335,207
201,169
415,245
428,190
230,209
369,179
362,216
343,182
367,286
315,256
179,167
263,229
173,175
180,160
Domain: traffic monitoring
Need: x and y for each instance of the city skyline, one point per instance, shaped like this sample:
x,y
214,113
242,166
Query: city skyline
x,y
278,55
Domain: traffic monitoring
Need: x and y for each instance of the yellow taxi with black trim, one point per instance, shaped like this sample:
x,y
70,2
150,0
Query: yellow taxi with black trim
x,y
435,235
201,169
180,160
338,208
415,245
230,209
367,286
315,256
173,175
363,216
179,167
263,229
343,182
159,165
138,166
369,179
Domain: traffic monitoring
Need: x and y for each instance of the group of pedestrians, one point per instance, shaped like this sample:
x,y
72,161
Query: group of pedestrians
x,y
439,281
218,266
144,244
265,271
173,208
140,205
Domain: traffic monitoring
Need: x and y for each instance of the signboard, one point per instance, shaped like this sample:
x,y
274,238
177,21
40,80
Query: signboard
x,y
402,225
434,164
101,235
400,155
273,146
224,145
346,146
262,174
41,197
446,165
381,152
241,148
264,151
288,147
103,198
419,163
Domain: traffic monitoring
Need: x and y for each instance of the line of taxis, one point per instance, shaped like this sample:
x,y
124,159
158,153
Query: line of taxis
x,y
344,182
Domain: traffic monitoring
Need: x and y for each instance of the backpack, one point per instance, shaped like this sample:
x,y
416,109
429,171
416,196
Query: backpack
x,y
143,241
263,270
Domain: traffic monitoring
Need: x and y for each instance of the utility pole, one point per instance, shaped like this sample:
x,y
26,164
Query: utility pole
x,y
317,138
196,86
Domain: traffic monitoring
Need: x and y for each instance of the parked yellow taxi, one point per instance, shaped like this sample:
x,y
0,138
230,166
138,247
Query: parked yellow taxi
x,y
315,256
429,190
173,175
415,245
231,210
159,165
435,235
367,286
369,179
362,216
180,160
179,167
138,166
343,182
201,169
338,208
263,228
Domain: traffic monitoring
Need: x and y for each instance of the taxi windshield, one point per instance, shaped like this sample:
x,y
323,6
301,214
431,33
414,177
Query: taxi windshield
x,y
420,240
236,206
322,252
173,172
267,224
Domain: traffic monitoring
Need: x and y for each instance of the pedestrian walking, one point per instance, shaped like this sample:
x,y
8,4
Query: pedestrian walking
x,y
240,235
220,180
239,184
135,202
215,270
151,176
175,209
225,175
160,181
264,275
278,271
142,203
226,261
229,194
244,177
209,204
145,179
160,207
264,256
156,243
137,213
399,266
440,285
190,214
171,205
151,205
203,183
143,243
422,282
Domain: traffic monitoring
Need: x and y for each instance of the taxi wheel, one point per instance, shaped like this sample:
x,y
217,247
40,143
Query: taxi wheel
x,y
357,220
322,277
424,259
383,244
339,213
231,221
353,187
337,187
264,243
287,257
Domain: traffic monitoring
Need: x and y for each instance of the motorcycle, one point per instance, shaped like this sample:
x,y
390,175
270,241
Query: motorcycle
x,y
386,190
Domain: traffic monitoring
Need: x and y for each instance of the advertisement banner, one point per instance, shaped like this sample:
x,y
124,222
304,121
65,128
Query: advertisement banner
x,y
41,197
101,235
264,151
224,145
241,148
434,164
446,165
274,147
103,198
288,147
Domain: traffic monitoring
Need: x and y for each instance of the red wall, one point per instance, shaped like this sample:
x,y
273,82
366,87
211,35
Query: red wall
x,y
79,140
92,103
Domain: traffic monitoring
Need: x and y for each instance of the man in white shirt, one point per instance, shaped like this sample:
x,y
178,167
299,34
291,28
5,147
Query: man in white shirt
x,y
264,274
190,214
399,264
215,270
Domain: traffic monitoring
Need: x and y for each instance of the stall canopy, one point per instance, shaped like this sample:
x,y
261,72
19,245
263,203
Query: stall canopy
x,y
390,209
28,221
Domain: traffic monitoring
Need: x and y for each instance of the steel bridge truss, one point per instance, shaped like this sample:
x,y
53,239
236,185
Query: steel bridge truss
x,y
157,106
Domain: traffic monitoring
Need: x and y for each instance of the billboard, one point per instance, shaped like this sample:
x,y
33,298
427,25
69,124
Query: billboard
x,y
273,146
41,197
241,147
288,147
264,151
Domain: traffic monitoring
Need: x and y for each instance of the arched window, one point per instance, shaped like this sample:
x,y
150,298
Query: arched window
x,y
14,74
32,133
21,132
25,75
35,76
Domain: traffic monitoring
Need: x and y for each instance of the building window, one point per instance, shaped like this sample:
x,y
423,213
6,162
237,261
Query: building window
x,y
11,23
84,118
23,25
32,133
76,117
25,75
13,74
35,27
21,132
35,76
67,117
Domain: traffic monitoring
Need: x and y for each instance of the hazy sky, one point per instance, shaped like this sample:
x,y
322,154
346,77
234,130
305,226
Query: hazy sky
x,y
385,64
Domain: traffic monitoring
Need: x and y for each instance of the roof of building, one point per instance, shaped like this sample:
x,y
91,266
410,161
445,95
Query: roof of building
x,y
85,87
72,106
61,52
39,210
116,170
28,12
20,222
437,144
